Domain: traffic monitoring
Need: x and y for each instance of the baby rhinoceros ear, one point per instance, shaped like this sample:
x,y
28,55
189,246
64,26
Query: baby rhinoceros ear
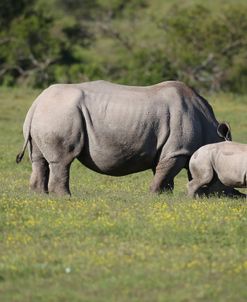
x,y
224,131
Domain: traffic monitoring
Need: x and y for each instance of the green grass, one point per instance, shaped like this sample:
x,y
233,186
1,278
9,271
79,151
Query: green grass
x,y
114,241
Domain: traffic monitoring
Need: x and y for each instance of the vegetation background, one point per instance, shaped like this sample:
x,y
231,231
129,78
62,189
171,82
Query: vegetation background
x,y
136,42
112,240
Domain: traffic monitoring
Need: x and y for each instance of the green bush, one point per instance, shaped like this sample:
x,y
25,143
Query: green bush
x,y
208,49
125,42
29,50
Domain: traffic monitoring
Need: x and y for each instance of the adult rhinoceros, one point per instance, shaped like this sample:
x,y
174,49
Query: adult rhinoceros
x,y
116,130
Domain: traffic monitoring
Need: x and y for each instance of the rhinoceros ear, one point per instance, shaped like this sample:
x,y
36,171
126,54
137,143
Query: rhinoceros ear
x,y
224,131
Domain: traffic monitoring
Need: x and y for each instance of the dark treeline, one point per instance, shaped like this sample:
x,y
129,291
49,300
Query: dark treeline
x,y
43,42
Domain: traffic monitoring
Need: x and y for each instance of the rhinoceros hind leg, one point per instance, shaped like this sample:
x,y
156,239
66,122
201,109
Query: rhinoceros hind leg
x,y
59,178
40,170
164,173
39,176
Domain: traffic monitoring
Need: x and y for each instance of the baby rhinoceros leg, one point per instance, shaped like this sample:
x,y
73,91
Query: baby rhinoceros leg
x,y
202,174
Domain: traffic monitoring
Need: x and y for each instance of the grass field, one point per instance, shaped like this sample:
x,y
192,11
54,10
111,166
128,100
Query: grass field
x,y
114,241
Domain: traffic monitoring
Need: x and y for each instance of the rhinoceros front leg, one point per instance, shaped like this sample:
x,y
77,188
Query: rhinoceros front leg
x,y
164,173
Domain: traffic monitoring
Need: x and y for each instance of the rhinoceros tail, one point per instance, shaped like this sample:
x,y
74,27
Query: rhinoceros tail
x,y
26,131
27,127
21,154
19,157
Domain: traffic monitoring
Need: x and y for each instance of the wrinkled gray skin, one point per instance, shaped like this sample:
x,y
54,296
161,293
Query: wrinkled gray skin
x,y
225,162
116,130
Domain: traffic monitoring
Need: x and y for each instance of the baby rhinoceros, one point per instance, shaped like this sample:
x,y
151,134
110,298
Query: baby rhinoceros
x,y
224,161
